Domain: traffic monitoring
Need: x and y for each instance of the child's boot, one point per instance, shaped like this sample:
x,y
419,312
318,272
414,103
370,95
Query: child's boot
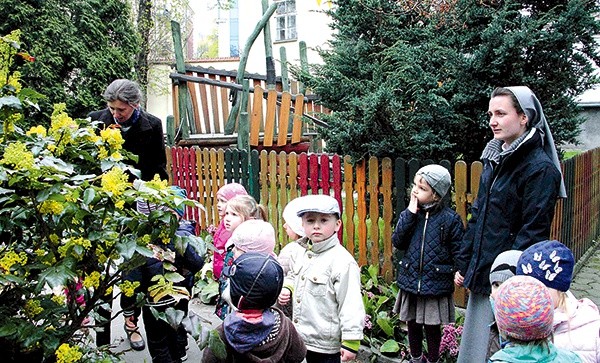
x,y
420,359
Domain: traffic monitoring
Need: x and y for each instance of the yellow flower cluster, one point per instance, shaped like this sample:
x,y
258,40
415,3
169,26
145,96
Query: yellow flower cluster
x,y
62,127
68,354
59,299
113,138
37,130
33,308
114,181
157,183
17,154
145,239
92,280
10,258
128,287
51,207
7,52
71,243
164,236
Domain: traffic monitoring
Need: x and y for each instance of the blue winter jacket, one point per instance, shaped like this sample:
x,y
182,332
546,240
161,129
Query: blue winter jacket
x,y
513,210
431,240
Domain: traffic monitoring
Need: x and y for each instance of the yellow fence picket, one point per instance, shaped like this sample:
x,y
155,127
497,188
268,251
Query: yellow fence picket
x,y
349,205
387,175
373,190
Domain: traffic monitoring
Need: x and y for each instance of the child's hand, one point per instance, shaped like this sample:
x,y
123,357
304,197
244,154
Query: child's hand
x,y
284,296
458,279
347,355
413,205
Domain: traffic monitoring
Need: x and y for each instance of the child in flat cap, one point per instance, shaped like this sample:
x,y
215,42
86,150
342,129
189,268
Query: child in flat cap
x,y
255,331
576,321
524,314
323,286
430,234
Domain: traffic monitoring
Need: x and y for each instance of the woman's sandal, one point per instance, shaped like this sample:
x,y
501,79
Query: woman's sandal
x,y
139,345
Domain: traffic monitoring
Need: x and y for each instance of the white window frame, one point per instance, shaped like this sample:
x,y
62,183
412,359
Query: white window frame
x,y
285,15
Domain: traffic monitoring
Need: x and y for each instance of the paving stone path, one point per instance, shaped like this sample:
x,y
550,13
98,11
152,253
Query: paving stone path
x,y
587,281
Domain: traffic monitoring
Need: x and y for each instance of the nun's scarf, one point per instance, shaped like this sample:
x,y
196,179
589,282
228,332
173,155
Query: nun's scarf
x,y
535,115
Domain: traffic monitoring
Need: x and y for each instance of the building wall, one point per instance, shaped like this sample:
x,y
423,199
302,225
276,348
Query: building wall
x,y
589,138
312,27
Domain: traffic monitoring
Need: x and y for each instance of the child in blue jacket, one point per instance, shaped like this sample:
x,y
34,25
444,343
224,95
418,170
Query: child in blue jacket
x,y
430,234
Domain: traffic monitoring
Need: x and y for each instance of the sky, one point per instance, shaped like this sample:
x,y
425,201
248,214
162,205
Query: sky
x,y
205,13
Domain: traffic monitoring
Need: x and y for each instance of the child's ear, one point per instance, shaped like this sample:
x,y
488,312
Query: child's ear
x,y
338,224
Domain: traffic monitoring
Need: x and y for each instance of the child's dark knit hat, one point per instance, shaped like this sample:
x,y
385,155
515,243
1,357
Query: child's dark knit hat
x,y
437,177
551,262
505,266
255,281
523,309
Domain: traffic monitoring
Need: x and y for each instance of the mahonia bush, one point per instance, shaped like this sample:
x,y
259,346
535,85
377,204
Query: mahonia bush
x,y
68,232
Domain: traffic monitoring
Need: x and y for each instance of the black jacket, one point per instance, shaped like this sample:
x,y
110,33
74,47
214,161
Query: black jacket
x,y
431,240
513,210
145,139
187,264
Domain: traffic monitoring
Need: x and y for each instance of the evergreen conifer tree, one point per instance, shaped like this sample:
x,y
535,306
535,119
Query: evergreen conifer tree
x,y
413,78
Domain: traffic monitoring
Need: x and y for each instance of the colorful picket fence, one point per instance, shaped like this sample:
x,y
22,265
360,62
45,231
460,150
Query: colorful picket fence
x,y
370,193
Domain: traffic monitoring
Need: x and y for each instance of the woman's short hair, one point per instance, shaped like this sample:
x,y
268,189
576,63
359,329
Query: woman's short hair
x,y
123,90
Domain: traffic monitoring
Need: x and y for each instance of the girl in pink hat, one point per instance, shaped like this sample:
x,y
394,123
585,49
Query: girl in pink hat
x,y
225,193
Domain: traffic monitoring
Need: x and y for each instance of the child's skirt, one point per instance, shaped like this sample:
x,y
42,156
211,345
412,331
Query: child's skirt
x,y
428,310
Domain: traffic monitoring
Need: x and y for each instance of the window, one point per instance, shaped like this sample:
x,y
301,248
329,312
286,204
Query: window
x,y
285,19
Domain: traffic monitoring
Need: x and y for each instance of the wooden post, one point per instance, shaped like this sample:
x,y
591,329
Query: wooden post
x,y
268,49
183,93
235,108
303,63
285,80
170,130
243,126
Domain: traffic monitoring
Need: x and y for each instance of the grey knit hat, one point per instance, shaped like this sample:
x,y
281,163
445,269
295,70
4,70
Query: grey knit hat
x,y
505,266
437,177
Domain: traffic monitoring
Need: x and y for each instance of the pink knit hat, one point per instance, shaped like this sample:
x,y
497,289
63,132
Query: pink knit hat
x,y
523,309
230,190
254,235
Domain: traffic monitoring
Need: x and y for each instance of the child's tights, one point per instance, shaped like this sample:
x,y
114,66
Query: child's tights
x,y
433,334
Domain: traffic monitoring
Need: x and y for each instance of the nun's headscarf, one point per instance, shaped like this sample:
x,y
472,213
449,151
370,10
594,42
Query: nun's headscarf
x,y
535,118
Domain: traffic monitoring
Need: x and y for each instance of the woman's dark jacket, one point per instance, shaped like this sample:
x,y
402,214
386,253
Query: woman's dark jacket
x,y
144,139
187,265
513,210
431,241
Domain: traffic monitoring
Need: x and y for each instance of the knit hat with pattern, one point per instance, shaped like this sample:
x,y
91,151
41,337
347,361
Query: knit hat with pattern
x,y
551,262
523,309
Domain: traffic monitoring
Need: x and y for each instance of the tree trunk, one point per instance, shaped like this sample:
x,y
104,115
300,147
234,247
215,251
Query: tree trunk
x,y
144,26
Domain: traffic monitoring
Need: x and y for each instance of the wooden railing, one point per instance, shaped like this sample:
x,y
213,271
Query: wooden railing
x,y
370,193
277,118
